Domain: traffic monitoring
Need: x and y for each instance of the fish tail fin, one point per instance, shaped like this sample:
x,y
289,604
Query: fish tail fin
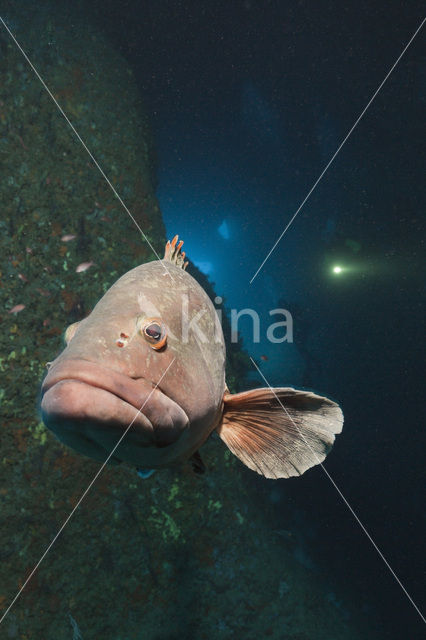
x,y
173,253
279,432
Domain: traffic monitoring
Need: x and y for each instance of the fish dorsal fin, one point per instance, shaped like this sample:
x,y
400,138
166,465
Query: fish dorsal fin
x,y
280,432
174,254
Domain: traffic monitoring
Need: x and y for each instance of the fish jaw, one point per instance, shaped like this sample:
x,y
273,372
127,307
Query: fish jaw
x,y
89,407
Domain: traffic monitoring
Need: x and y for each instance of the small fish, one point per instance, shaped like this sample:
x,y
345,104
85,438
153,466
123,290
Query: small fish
x,y
264,358
152,353
17,308
84,266
68,237
22,277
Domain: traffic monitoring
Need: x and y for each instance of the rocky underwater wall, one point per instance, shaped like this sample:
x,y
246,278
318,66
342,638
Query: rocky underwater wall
x,y
175,556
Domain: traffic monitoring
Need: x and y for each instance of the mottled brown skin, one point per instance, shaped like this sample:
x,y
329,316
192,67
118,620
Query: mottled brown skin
x,y
160,385
94,388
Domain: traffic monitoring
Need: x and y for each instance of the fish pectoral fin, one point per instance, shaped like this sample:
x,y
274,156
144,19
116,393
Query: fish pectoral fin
x,y
70,331
279,432
197,463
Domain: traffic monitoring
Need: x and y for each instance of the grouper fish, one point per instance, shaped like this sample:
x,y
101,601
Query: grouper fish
x,y
152,351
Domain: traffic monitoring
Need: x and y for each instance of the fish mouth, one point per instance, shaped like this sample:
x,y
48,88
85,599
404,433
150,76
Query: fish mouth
x,y
89,407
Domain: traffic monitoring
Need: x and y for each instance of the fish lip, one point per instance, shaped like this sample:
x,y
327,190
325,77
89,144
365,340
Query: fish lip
x,y
165,418
83,383
95,427
95,376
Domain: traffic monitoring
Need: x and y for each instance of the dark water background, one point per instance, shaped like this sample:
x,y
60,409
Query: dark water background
x,y
248,102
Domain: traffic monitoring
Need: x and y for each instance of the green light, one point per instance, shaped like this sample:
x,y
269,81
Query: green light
x,y
337,269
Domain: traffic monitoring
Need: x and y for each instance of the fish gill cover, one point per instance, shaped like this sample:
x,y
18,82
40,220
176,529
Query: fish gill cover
x,y
177,556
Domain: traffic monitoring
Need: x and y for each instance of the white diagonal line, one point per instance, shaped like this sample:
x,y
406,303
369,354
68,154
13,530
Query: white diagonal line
x,y
117,195
341,145
81,498
343,498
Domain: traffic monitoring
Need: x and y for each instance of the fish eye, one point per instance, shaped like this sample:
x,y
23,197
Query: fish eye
x,y
154,332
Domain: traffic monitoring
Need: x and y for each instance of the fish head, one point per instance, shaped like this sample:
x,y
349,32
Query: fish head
x,y
133,361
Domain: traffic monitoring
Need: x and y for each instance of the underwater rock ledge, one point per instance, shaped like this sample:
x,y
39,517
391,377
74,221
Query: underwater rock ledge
x,y
177,555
